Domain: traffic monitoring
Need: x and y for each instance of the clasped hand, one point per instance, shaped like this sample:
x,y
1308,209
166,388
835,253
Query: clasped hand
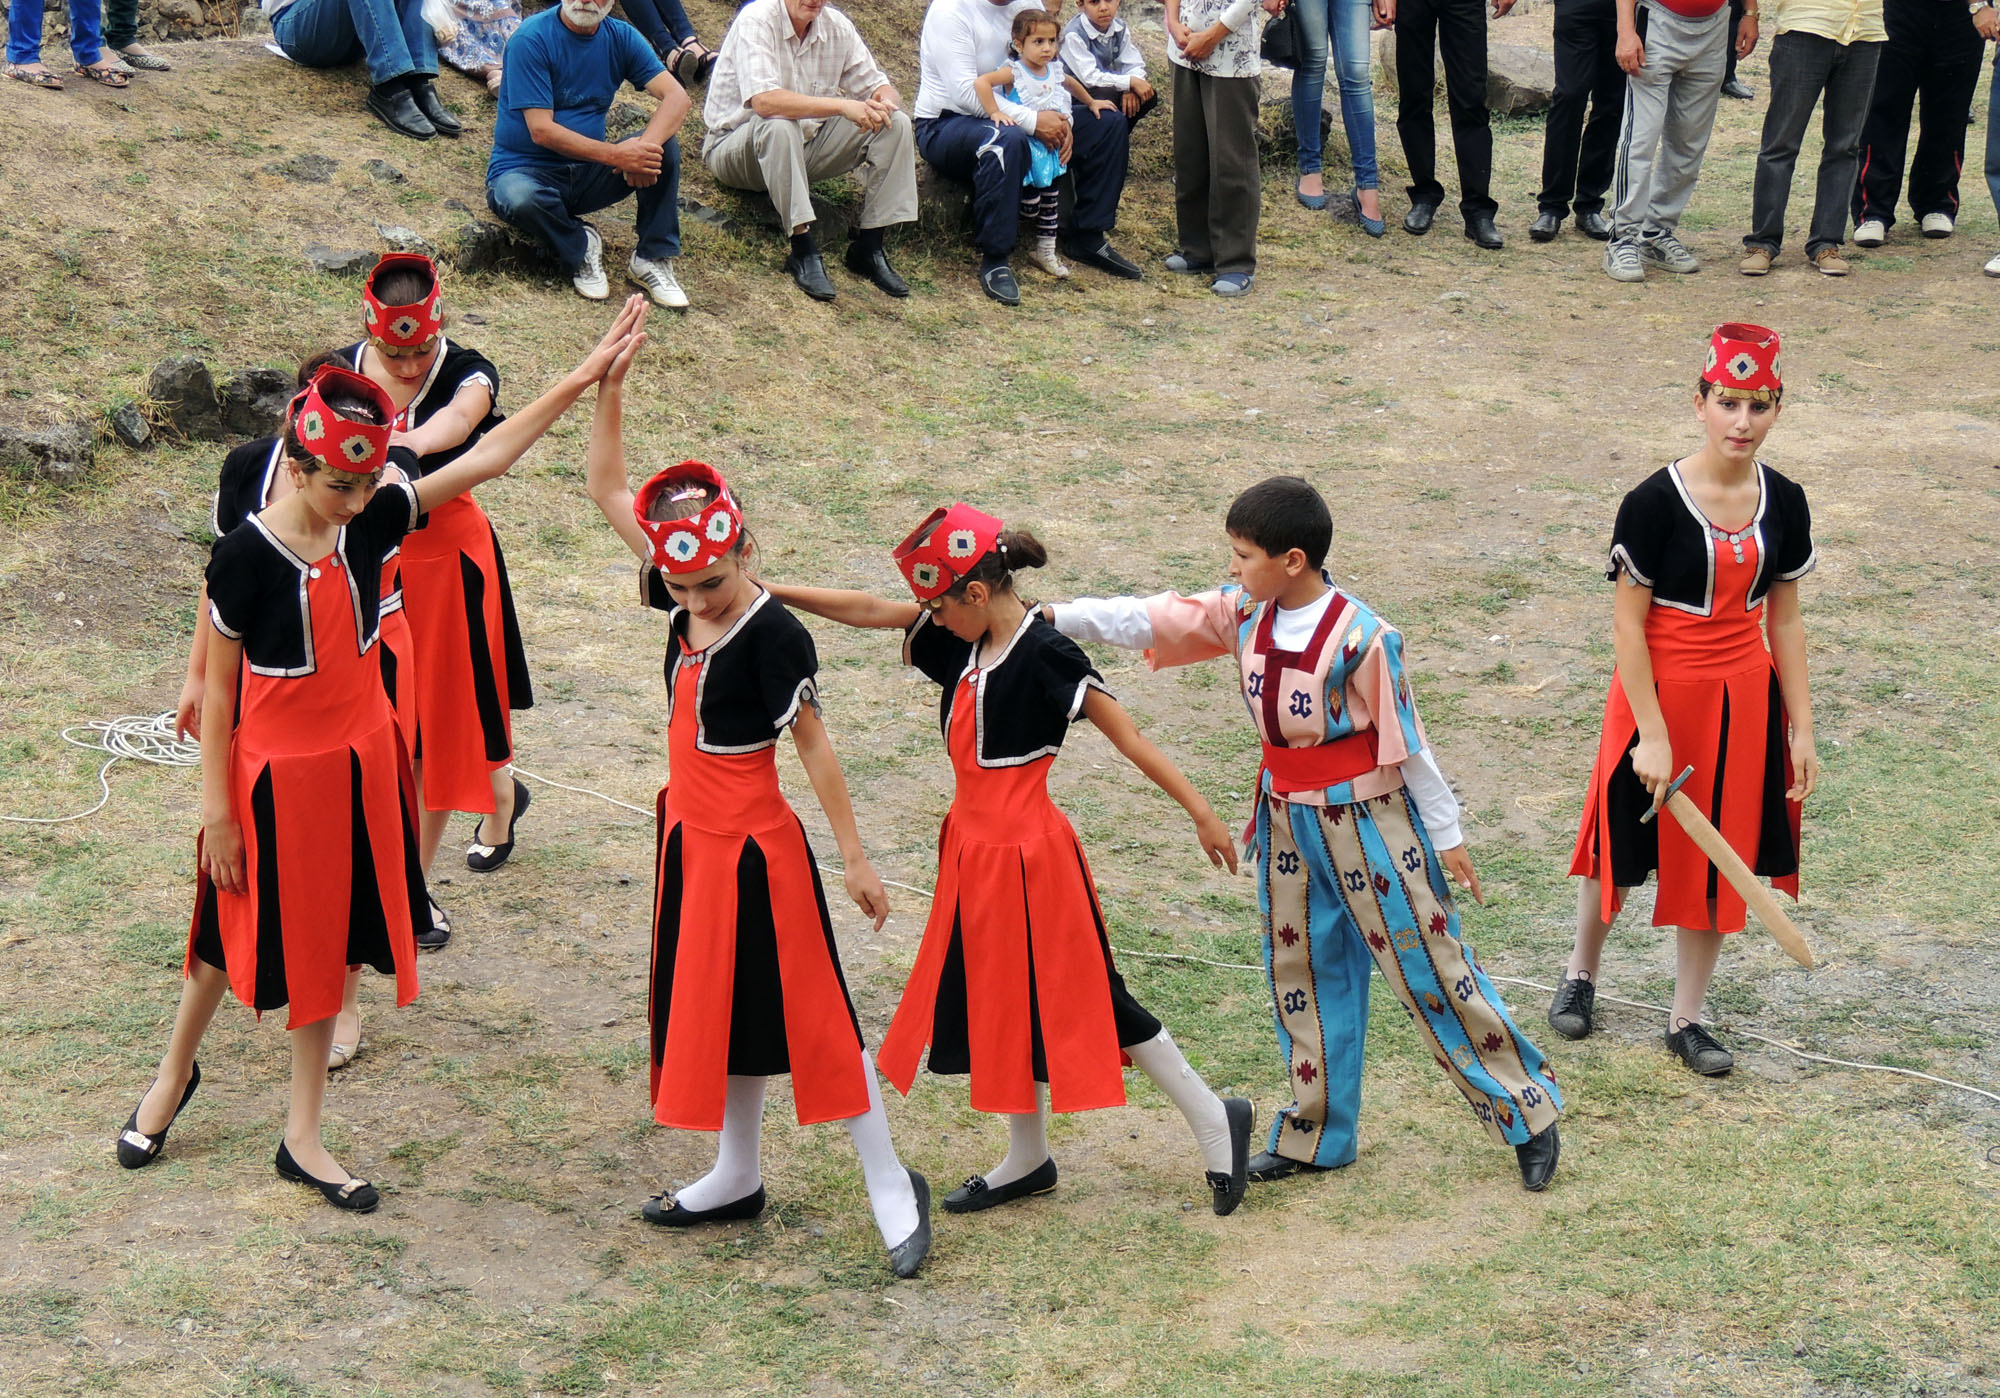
x,y
871,114
639,159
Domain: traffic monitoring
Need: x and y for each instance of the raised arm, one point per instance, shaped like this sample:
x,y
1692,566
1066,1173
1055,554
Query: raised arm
x,y
607,482
451,425
1112,721
829,784
847,606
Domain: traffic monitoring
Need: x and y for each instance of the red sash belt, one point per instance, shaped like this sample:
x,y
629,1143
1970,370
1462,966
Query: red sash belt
x,y
1322,765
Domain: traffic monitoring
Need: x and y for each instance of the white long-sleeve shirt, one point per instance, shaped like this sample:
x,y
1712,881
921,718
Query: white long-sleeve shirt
x,y
1081,62
962,39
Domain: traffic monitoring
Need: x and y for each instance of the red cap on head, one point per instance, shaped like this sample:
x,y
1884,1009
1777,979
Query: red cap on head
x,y
944,548
691,544
1743,359
403,327
342,443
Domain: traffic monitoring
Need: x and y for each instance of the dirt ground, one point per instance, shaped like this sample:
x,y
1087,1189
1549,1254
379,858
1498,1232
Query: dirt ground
x,y
1473,417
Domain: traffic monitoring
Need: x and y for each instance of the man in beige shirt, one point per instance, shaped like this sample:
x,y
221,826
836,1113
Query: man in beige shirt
x,y
1827,47
797,97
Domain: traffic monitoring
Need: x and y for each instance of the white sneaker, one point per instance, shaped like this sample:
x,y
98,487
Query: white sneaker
x,y
659,280
1044,257
1938,225
1993,265
590,282
1869,233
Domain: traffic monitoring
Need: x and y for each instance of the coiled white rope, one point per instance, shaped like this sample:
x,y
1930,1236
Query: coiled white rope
x,y
129,739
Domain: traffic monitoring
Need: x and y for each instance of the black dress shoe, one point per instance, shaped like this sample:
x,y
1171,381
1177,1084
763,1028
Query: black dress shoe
x,y
976,1194
907,1256
1264,1166
1479,228
808,270
1538,1155
354,1195
392,102
484,859
135,1148
1105,258
435,112
668,1213
1420,218
1570,1012
1738,89
1228,1188
998,283
1697,1048
872,264
438,934
1545,227
1594,225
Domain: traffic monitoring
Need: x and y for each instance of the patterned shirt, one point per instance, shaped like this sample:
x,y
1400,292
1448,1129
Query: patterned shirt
x,y
1236,56
761,53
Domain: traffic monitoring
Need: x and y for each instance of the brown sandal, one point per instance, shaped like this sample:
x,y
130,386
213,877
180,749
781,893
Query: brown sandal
x,y
110,74
35,77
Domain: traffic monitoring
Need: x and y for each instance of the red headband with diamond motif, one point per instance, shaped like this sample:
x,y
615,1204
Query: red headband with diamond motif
x,y
691,544
403,327
944,547
1743,360
342,443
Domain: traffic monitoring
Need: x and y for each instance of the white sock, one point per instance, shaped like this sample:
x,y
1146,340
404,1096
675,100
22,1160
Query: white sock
x,y
890,1193
736,1172
1160,1059
1027,1142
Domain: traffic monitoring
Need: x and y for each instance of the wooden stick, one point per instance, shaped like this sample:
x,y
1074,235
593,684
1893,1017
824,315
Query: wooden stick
x,y
1740,877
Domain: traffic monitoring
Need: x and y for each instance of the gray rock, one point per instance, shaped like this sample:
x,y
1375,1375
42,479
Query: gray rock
x,y
253,402
306,169
130,426
1519,79
625,119
458,206
184,398
339,262
57,454
251,24
383,170
479,245
702,213
943,203
403,239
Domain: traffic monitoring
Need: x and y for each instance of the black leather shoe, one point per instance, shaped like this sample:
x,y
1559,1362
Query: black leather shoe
x,y
1538,1155
1697,1048
1420,218
484,859
668,1213
1479,228
907,1256
435,112
1594,225
1264,1166
998,283
1106,258
873,266
1738,89
1570,1012
808,271
1545,227
976,1194
1228,1188
399,113
135,1148
354,1195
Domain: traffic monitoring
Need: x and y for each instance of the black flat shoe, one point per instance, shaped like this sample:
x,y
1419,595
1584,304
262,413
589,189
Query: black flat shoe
x,y
1571,1012
668,1213
1697,1048
1107,259
998,283
435,112
1594,225
976,1194
484,859
1420,218
135,1147
1481,230
808,272
354,1195
434,937
873,265
1545,227
1538,1155
907,1256
1228,1189
1265,1166
398,111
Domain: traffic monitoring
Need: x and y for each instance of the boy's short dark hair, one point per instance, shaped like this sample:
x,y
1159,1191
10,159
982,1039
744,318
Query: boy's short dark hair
x,y
1282,514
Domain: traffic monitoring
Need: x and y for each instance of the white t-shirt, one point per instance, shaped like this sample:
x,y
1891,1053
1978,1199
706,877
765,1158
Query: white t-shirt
x,y
960,40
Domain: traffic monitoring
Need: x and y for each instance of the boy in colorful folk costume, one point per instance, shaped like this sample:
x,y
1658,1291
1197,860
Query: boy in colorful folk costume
x,y
1354,835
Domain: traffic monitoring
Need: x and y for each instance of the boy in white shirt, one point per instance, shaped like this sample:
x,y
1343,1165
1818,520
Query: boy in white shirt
x,y
1097,50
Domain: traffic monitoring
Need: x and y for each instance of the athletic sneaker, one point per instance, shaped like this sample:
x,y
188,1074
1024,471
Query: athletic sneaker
x,y
1937,225
1043,254
1869,233
1993,265
1667,251
659,280
1622,262
590,281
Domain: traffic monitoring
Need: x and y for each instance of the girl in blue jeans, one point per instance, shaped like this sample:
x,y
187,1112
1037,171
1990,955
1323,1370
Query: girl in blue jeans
x,y
1343,26
24,45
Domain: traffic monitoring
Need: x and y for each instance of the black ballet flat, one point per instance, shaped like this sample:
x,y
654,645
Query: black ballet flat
x,y
674,1216
355,1195
976,1194
1228,1188
434,937
135,1148
484,859
907,1256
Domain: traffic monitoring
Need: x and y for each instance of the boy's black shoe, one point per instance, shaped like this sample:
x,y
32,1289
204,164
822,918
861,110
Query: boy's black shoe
x,y
1697,1048
1481,229
1538,1155
1104,257
998,283
1570,1013
1594,225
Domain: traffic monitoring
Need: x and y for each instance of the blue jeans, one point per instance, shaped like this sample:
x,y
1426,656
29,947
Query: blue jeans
x,y
24,31
664,23
548,200
1343,26
1993,136
390,34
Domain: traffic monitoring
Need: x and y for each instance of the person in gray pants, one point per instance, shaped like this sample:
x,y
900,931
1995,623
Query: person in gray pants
x,y
1674,55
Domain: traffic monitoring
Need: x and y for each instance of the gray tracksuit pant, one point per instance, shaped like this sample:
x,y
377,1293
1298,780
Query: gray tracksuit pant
x,y
1669,113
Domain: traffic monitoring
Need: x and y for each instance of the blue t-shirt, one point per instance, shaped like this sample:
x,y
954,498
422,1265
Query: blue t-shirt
x,y
547,64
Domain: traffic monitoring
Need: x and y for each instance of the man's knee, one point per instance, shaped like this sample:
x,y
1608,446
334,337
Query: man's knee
x,y
512,195
772,136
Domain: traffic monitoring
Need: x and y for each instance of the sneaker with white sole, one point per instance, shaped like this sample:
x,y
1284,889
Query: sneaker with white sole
x,y
1622,262
1870,233
1993,265
1666,251
590,282
659,281
1043,255
1937,225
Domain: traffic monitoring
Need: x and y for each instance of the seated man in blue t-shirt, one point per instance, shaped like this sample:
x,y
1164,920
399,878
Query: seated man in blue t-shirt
x,y
551,162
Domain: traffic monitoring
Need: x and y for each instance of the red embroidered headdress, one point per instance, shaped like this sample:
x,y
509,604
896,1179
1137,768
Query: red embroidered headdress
x,y
403,327
691,544
1743,360
944,547
343,444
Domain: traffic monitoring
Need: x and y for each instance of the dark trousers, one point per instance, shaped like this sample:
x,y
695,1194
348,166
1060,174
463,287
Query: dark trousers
x,y
1736,8
121,23
1114,96
1458,29
1218,183
992,157
1804,66
664,23
1576,158
550,200
1933,55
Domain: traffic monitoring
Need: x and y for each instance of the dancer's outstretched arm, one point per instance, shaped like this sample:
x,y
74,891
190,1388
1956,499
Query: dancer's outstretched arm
x,y
610,487
1112,721
847,606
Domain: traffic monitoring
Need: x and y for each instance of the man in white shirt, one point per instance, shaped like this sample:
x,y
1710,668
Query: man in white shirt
x,y
961,40
796,97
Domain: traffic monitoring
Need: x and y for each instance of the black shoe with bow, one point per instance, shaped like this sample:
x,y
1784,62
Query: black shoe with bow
x,y
668,1213
976,1194
135,1147
1228,1188
908,1256
355,1195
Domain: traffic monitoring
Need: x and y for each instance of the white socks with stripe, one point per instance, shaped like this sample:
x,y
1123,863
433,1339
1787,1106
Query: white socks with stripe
x,y
1160,1059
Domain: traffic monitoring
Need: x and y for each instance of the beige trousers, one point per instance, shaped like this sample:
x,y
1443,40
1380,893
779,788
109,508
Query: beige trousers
x,y
772,155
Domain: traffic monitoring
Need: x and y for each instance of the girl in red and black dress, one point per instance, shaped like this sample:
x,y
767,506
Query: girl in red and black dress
x,y
1711,550
471,668
1014,983
307,858
746,980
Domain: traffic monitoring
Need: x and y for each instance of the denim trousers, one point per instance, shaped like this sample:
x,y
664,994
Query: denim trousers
x,y
1803,67
390,34
1993,137
549,200
1341,26
24,31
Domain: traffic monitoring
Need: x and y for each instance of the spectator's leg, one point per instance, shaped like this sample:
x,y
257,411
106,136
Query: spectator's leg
x,y
1349,24
334,33
1993,135
86,36
1575,38
1309,82
654,20
1235,181
121,23
1416,94
990,156
1697,49
1099,158
1462,40
1850,79
883,162
533,200
1885,136
1799,66
1949,84
659,218
778,148
24,31
1639,135
418,41
1736,10
1192,163
1599,149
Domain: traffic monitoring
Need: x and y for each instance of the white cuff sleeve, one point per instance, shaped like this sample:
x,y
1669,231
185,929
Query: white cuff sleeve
x,y
1435,803
1237,15
1115,621
1023,117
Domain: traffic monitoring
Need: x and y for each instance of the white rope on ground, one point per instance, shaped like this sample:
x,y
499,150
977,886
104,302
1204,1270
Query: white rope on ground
x,y
134,738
